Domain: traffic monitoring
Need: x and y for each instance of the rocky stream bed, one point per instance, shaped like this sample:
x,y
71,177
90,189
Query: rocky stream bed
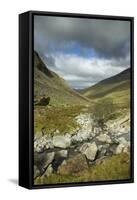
x,y
87,145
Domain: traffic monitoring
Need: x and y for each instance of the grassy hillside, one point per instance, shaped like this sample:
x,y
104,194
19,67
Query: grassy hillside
x,y
116,87
48,83
64,105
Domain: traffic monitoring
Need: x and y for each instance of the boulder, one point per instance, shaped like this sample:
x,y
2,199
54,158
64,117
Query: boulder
x,y
61,141
89,150
73,166
44,101
104,138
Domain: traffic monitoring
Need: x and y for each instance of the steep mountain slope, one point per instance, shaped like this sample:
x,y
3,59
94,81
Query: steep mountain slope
x,y
117,87
48,83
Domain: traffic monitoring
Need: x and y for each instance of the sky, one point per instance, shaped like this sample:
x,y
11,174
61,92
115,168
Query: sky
x,y
82,51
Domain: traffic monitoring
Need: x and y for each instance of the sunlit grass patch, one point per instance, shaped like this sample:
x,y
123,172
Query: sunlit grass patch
x,y
56,118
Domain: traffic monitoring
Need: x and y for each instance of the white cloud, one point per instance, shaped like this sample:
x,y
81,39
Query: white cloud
x,y
83,72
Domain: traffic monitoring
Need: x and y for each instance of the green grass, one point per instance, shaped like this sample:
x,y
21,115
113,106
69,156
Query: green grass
x,y
116,87
115,168
62,117
56,118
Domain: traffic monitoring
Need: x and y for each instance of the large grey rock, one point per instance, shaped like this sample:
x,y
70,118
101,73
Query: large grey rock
x,y
89,150
104,138
61,141
49,157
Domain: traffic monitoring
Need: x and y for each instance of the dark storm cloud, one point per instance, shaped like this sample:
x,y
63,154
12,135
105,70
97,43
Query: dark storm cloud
x,y
83,51
109,38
